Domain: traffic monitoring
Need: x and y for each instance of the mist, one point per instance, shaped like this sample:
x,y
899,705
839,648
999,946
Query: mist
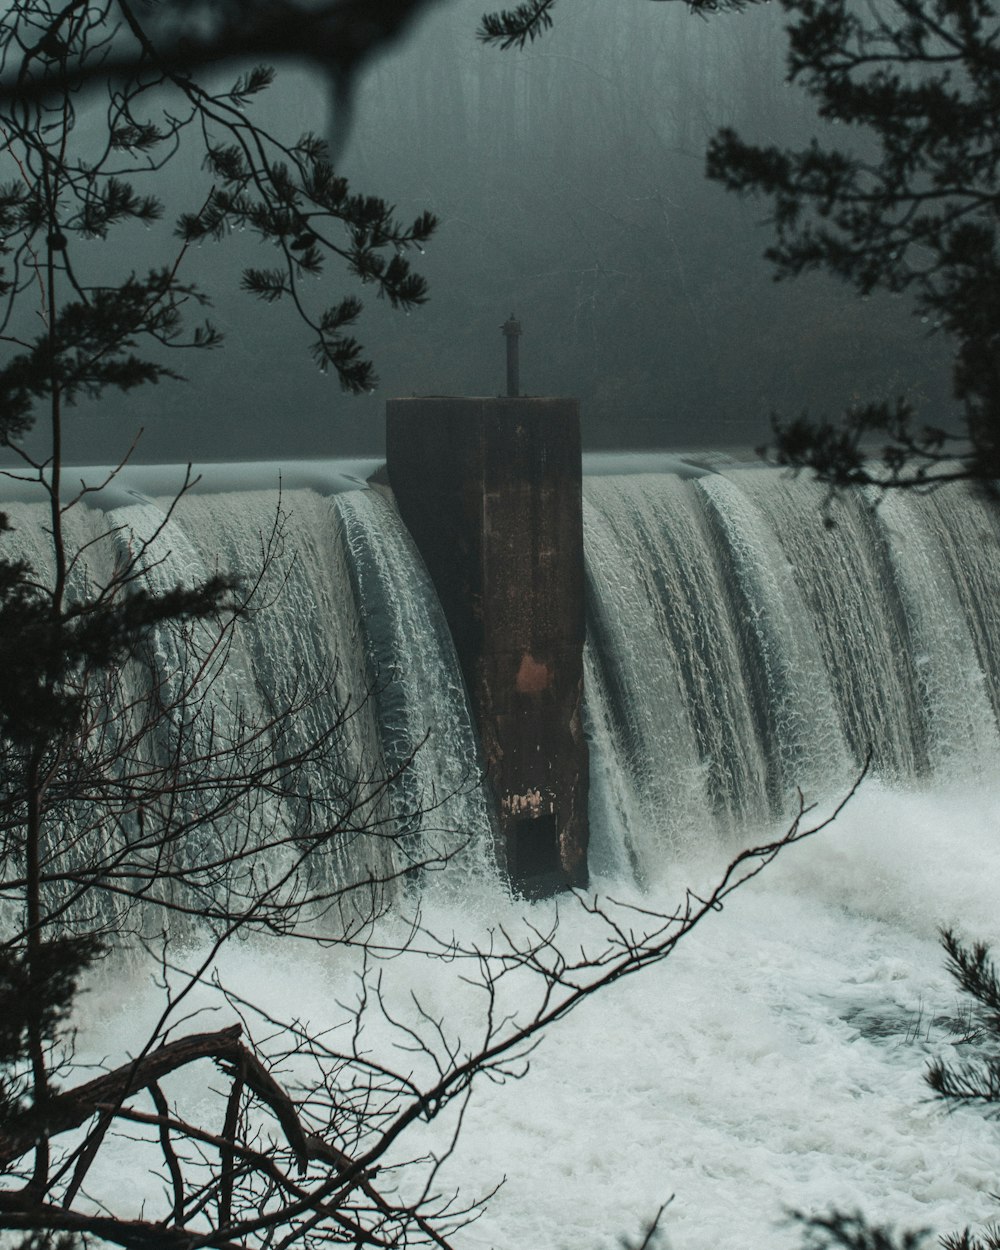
x,y
568,180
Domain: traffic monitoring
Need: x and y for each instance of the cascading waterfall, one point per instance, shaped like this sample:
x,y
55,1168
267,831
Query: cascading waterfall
x,y
737,647
427,733
295,549
670,726
746,640
344,628
347,611
743,641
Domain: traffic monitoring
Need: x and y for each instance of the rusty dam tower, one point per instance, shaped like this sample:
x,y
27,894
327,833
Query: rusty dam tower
x,y
490,490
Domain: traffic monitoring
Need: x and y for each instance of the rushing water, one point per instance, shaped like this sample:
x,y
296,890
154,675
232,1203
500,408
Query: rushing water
x,y
774,1061
738,647
743,640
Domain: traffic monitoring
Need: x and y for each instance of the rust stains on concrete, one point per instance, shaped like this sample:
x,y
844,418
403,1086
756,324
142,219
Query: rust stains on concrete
x,y
532,676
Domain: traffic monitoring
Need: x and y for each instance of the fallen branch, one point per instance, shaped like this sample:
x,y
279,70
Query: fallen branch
x,y
72,1108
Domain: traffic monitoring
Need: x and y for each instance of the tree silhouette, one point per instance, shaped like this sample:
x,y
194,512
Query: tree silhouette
x,y
63,192
139,796
910,207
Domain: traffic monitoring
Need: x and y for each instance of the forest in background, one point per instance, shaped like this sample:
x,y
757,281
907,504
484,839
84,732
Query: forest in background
x,y
569,183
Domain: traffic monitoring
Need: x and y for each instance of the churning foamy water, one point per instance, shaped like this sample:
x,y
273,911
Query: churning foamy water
x,y
774,1062
737,648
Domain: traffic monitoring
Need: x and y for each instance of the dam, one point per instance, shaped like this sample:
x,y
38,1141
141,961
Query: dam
x,y
737,647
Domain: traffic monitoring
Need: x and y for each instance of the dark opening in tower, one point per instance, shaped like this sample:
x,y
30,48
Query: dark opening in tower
x,y
535,846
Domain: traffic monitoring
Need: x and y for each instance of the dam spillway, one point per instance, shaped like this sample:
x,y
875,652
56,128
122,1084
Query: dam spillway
x,y
737,647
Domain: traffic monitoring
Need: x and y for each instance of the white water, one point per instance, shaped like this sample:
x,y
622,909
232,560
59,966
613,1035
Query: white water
x,y
773,1062
738,648
344,625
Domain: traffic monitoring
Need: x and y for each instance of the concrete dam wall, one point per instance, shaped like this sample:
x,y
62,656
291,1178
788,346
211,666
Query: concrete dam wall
x,y
490,490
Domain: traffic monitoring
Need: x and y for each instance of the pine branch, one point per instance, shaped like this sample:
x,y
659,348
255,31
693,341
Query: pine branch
x,y
513,28
917,215
978,1083
975,972
852,1231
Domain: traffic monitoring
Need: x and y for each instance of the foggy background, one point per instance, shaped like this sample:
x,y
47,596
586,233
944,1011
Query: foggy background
x,y
568,179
